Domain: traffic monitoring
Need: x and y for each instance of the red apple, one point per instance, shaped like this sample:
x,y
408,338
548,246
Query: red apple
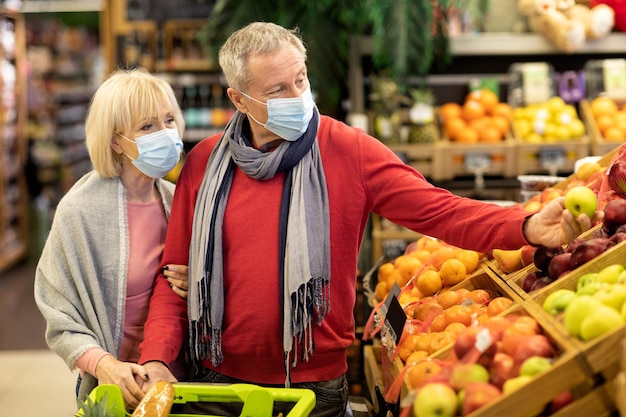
x,y
528,255
574,243
529,280
543,256
614,215
477,395
616,176
532,345
588,250
465,344
559,265
561,401
501,369
618,237
540,283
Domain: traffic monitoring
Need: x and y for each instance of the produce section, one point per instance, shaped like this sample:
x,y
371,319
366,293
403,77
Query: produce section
x,y
538,330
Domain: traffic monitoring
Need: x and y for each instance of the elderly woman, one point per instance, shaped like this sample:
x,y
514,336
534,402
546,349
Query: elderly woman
x,y
95,276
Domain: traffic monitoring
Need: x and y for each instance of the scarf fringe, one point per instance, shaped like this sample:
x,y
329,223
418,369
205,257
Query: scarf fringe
x,y
203,345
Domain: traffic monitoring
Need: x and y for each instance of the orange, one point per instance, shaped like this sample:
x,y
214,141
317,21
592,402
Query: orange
x,y
501,123
407,267
419,373
408,345
394,277
502,109
487,98
438,324
453,126
479,296
385,270
429,282
449,298
427,243
470,259
467,135
424,341
472,109
441,340
605,121
416,357
603,105
490,134
459,314
427,311
438,257
381,290
453,271
455,327
614,134
498,305
449,110
479,124
422,254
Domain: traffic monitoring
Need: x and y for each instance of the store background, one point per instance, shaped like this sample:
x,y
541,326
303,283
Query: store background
x,y
67,54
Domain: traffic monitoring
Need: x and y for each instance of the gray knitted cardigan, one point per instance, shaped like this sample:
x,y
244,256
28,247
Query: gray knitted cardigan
x,y
80,280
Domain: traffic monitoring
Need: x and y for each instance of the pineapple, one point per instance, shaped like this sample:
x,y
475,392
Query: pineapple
x,y
386,100
422,117
91,408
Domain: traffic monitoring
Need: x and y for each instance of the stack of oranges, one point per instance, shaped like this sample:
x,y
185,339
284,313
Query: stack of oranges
x,y
428,265
610,118
482,118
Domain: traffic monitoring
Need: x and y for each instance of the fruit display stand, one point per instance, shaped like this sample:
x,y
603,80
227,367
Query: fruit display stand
x,y
599,144
553,158
383,230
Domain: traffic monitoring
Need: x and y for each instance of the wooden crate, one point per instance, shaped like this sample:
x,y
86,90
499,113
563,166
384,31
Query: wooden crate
x,y
380,371
459,159
599,146
424,157
533,158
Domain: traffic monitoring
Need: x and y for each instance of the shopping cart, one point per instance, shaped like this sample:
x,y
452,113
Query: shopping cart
x,y
257,401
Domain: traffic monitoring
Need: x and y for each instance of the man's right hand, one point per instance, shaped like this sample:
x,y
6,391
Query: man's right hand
x,y
157,371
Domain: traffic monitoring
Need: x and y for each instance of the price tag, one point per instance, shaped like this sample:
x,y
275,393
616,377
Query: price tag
x,y
552,157
395,317
537,84
614,73
476,161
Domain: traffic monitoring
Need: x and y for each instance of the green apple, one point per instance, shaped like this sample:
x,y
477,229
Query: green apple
x,y
612,295
515,383
581,199
603,320
435,399
535,365
610,274
588,284
556,301
464,373
577,310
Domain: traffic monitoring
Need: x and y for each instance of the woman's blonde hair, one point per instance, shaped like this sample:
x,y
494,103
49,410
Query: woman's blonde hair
x,y
126,97
254,39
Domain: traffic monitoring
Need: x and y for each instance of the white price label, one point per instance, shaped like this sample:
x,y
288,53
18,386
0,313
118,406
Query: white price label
x,y
477,161
552,157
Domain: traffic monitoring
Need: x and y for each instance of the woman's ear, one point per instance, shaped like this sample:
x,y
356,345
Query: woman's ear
x,y
115,145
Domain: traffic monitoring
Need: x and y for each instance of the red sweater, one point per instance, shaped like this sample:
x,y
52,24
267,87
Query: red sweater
x,y
362,176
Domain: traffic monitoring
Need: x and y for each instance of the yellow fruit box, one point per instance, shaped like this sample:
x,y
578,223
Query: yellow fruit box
x,y
599,144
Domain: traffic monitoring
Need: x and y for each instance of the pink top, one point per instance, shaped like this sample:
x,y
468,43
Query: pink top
x,y
147,226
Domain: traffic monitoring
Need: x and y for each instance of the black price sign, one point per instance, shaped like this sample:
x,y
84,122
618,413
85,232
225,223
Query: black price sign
x,y
552,157
395,317
477,161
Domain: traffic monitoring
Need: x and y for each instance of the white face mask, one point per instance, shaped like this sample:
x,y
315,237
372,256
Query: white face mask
x,y
159,152
287,117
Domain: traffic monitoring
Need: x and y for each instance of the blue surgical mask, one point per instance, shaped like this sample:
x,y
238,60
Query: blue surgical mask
x,y
159,152
288,117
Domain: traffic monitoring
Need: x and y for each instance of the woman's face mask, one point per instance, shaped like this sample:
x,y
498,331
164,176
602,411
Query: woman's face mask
x,y
287,117
159,152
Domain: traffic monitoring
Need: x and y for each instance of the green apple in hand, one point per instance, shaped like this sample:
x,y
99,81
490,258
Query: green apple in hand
x,y
435,399
581,199
612,295
535,365
558,300
579,308
603,320
610,274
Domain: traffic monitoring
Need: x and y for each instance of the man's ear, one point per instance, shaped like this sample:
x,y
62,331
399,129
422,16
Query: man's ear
x,y
237,99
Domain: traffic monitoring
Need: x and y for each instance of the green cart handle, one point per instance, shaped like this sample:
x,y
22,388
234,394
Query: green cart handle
x,y
257,401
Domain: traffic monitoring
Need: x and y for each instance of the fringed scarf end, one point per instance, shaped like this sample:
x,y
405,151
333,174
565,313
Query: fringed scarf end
x,y
204,346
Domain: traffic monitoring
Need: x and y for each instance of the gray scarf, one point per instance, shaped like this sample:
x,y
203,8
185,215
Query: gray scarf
x,y
304,251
